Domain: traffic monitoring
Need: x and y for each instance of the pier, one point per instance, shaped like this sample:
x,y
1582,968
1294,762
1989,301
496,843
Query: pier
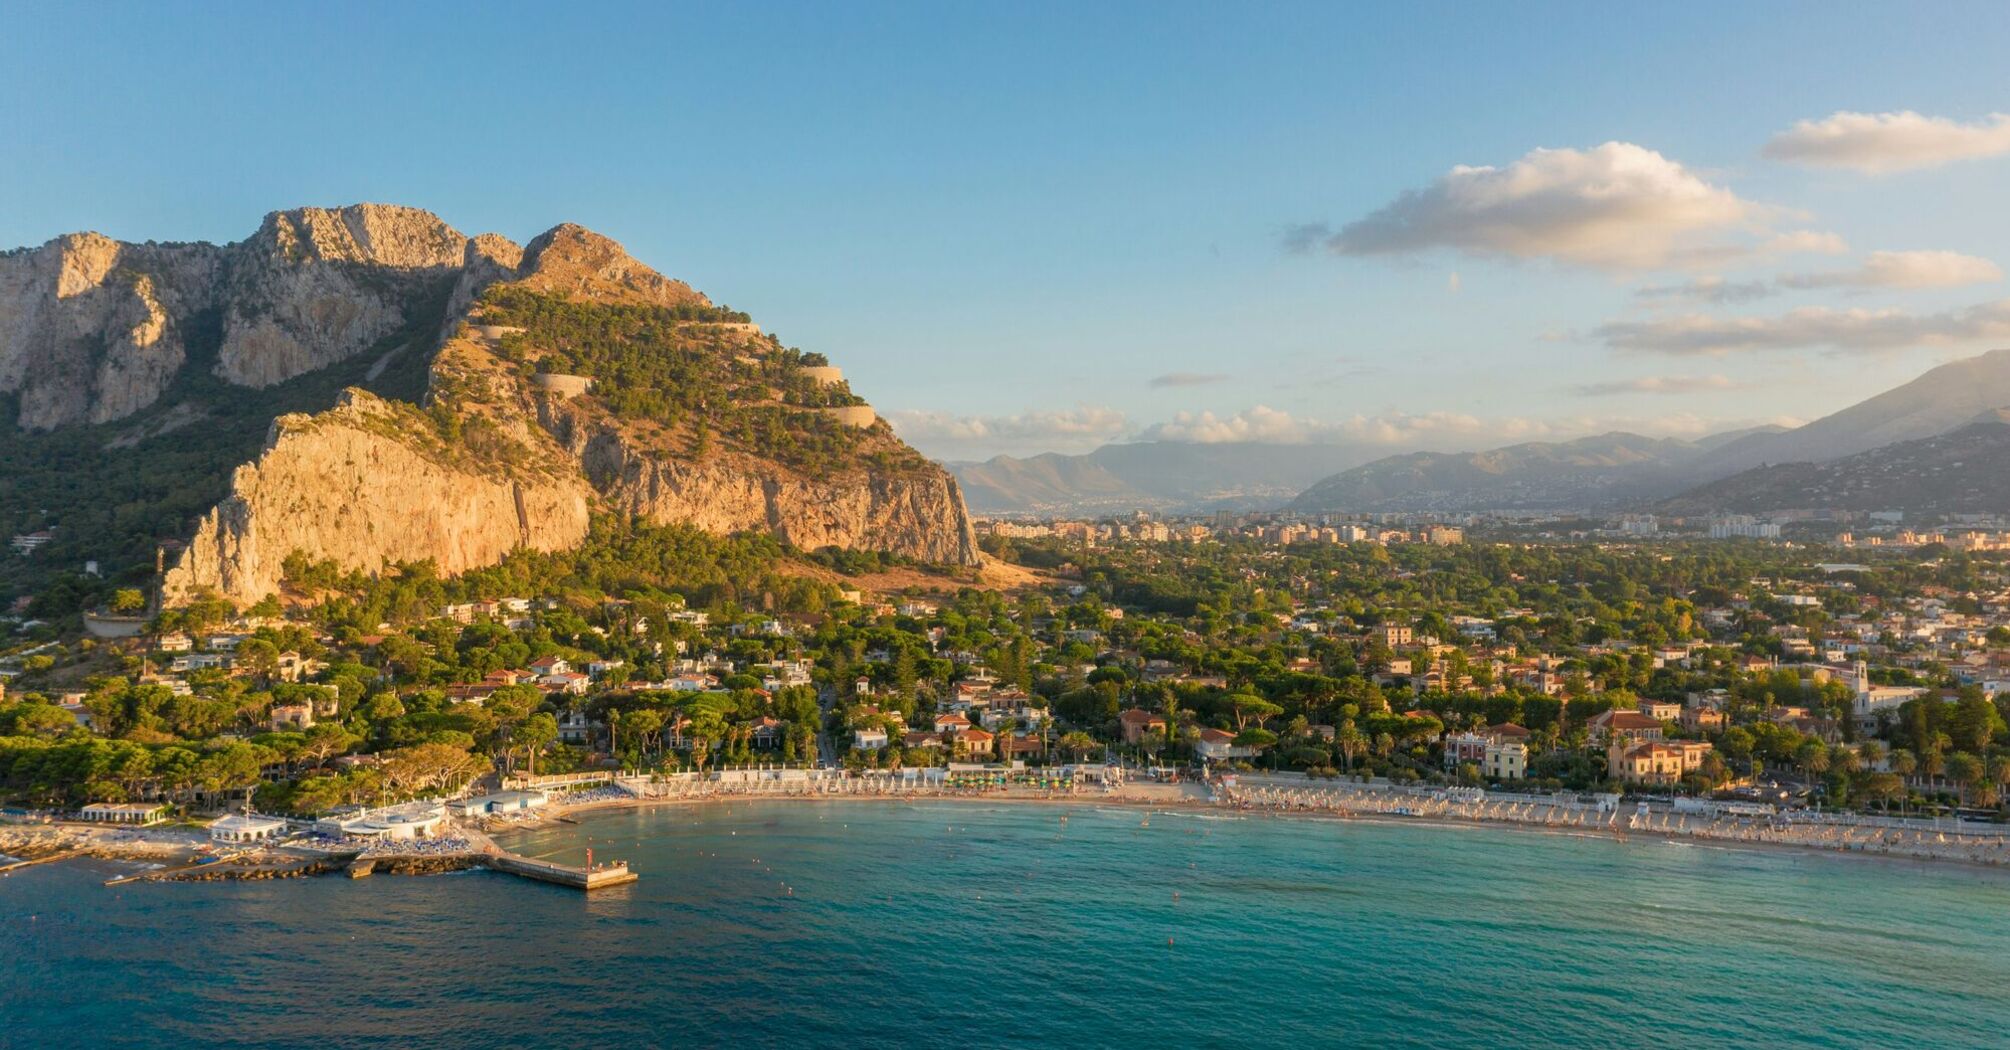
x,y
587,877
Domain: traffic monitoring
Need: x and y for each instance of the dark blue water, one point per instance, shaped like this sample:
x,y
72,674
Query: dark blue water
x,y
949,924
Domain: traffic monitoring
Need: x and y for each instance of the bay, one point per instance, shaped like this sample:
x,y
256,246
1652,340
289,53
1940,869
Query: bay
x,y
943,924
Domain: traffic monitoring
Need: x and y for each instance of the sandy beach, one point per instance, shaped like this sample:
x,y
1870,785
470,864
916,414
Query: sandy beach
x,y
184,852
1325,800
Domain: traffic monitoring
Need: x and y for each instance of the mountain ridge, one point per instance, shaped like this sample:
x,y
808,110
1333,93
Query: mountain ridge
x,y
464,450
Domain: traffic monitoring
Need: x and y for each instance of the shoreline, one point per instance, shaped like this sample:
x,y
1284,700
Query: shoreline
x,y
186,855
1752,836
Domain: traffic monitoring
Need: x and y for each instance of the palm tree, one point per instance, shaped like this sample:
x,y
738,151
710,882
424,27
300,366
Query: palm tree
x,y
1350,740
1966,771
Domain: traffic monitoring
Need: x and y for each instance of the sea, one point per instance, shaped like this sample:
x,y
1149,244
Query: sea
x,y
973,924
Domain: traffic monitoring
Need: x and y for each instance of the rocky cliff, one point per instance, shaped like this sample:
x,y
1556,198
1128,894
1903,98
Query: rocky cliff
x,y
360,484
93,330
315,286
919,516
495,462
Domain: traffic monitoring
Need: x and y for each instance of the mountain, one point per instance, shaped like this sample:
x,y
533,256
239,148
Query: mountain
x,y
1614,470
1963,471
367,385
1584,473
1940,399
1152,475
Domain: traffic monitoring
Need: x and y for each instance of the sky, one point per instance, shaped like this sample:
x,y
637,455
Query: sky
x,y
1045,226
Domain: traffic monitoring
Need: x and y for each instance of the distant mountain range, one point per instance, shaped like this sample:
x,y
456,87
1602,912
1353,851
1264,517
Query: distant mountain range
x,y
1150,475
1940,400
1603,472
1585,473
1737,471
1964,471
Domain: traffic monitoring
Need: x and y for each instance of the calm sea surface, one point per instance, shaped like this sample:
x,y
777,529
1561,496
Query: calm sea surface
x,y
946,924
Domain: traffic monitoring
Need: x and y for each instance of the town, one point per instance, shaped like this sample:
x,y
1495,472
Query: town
x,y
1760,679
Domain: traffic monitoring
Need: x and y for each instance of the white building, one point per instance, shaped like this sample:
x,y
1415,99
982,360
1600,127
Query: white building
x,y
141,813
246,827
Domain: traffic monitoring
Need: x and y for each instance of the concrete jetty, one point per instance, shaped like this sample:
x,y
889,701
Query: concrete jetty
x,y
579,877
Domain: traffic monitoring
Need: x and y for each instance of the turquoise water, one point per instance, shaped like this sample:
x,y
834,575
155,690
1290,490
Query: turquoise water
x,y
946,924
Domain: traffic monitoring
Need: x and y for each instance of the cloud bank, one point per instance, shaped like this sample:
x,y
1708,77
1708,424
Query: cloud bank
x,y
1079,428
1811,328
1918,269
1655,385
1883,143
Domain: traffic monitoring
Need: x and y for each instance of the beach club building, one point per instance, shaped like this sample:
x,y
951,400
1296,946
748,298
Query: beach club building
x,y
139,814
246,827
500,804
412,820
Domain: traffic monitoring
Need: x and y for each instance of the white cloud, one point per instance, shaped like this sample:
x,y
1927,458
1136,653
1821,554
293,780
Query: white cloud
x,y
1175,379
1080,428
1918,269
1617,206
1808,242
1812,327
1261,423
1881,143
1711,289
1655,385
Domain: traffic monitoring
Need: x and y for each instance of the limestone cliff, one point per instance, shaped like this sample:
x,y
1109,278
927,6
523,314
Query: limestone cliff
x,y
314,286
918,515
673,409
90,329
361,485
93,330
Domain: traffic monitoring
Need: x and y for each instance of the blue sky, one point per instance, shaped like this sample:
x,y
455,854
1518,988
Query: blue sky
x,y
1034,226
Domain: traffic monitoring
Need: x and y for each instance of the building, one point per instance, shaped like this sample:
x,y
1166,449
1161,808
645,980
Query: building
x,y
246,827
1649,763
139,813
502,803
1395,634
1663,710
1656,762
412,820
868,738
1219,744
1505,760
1137,722
978,741
287,717
1630,726
1743,526
1702,719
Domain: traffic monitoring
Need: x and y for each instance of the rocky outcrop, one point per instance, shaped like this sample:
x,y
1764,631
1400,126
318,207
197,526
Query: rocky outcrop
x,y
576,262
93,330
489,258
90,329
315,286
917,514
361,485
